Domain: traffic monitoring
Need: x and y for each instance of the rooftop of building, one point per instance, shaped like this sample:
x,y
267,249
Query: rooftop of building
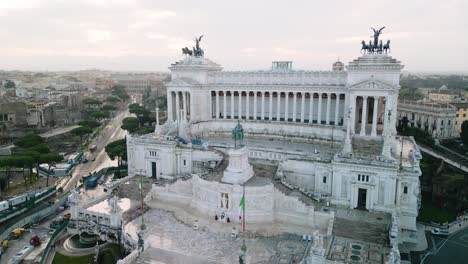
x,y
425,105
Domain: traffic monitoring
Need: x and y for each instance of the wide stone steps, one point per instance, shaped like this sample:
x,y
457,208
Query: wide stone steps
x,y
363,147
364,231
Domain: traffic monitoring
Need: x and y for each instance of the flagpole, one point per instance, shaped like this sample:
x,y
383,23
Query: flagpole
x,y
243,209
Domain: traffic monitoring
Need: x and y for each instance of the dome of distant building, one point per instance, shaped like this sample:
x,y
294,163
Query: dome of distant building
x,y
338,66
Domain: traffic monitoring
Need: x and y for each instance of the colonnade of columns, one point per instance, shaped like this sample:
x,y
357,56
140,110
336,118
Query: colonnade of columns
x,y
179,104
370,108
436,126
302,107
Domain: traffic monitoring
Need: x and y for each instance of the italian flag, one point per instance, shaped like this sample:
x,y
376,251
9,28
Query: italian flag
x,y
241,207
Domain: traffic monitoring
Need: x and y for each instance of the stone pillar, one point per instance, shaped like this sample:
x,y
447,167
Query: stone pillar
x,y
192,107
217,105
270,114
352,117
374,117
263,106
327,116
286,108
232,104
184,106
319,110
170,113
311,109
255,106
224,104
302,107
177,105
278,106
337,108
247,102
363,116
294,106
239,111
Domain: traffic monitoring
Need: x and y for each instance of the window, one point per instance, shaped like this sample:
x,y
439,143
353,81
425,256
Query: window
x,y
185,162
152,153
405,189
363,178
324,179
457,115
464,115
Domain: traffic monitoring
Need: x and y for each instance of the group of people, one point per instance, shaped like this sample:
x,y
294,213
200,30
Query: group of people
x,y
228,220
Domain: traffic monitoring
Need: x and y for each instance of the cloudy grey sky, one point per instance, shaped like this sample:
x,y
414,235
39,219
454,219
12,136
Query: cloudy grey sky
x,y
426,35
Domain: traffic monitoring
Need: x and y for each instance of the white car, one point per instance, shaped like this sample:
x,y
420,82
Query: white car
x,y
438,232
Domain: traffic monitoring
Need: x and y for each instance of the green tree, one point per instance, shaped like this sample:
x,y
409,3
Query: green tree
x,y
131,124
112,99
9,84
89,123
141,112
464,132
108,108
81,131
98,114
91,101
117,150
29,141
119,91
50,159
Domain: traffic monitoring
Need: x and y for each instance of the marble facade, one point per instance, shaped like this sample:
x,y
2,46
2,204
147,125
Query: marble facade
x,y
331,134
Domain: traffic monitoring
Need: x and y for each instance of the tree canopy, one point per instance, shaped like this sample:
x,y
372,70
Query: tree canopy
x,y
131,124
9,84
108,108
119,91
98,114
89,123
112,99
117,149
91,101
81,131
29,141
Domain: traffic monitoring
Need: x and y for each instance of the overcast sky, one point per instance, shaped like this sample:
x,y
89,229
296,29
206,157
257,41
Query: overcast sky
x,y
426,35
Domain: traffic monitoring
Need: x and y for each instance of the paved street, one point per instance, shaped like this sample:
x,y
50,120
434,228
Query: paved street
x,y
110,133
448,250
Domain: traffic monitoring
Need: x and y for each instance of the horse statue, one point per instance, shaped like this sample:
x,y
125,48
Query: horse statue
x,y
380,48
238,134
186,51
364,47
386,47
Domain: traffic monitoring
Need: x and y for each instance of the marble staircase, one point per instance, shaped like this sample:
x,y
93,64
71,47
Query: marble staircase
x,y
367,147
360,230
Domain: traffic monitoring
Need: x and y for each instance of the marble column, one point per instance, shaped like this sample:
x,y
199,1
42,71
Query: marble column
x,y
374,117
311,108
224,104
302,107
337,108
286,108
270,113
247,102
363,116
177,105
353,106
294,106
192,107
327,116
170,113
263,106
232,104
255,106
278,106
319,110
239,111
217,105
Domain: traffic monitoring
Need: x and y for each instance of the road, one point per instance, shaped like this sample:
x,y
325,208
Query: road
x,y
448,250
110,133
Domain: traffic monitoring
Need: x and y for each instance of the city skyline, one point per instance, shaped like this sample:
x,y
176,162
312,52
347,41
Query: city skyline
x,y
132,35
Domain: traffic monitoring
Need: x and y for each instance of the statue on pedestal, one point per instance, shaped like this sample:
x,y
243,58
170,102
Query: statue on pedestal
x,y
238,135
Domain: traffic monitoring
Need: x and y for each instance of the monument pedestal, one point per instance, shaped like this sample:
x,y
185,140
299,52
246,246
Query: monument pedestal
x,y
239,169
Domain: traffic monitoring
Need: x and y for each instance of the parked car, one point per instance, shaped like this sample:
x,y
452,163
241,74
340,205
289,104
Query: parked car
x,y
93,159
439,232
84,160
